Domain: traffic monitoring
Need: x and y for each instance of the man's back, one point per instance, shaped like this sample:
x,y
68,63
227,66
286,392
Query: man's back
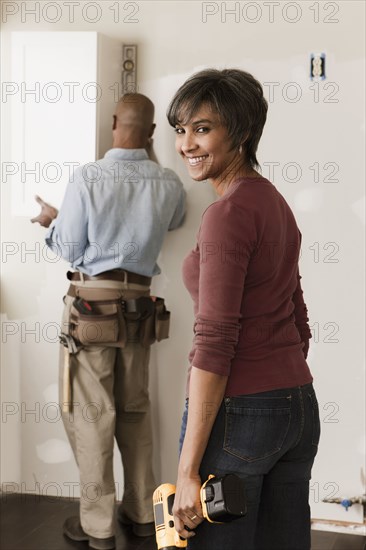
x,y
116,212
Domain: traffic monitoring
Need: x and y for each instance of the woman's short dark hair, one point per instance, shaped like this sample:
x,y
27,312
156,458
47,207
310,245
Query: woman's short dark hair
x,y
235,95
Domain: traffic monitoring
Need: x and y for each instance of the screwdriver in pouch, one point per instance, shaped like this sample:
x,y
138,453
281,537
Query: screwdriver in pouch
x,y
82,306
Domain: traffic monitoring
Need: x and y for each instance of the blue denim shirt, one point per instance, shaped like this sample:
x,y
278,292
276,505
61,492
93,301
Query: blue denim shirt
x,y
116,212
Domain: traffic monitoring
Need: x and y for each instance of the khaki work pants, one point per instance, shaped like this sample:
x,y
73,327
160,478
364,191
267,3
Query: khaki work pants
x,y
110,399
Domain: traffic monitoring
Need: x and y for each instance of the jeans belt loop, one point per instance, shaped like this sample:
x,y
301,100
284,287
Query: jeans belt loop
x,y
125,277
82,277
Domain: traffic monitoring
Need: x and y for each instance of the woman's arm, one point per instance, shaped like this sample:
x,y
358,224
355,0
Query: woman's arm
x,y
226,240
301,316
205,397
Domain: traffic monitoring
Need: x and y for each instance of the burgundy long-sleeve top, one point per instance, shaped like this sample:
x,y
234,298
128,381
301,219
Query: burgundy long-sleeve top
x,y
251,321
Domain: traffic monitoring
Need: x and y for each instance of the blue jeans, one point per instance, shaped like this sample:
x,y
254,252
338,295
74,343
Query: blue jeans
x,y
270,440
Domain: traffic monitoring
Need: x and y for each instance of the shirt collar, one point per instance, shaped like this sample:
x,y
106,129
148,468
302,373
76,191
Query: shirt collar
x,y
127,154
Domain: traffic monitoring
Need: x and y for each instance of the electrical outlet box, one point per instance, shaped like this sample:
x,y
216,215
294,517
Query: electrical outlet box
x,y
317,66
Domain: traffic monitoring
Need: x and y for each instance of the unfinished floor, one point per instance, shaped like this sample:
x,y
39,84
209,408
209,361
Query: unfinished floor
x,y
30,522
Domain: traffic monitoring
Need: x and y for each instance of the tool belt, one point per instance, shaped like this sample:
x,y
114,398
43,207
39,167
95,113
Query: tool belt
x,y
104,322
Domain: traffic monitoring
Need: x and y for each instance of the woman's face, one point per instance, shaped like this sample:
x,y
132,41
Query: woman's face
x,y
204,146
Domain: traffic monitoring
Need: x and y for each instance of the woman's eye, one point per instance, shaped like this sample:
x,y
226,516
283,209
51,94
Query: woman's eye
x,y
200,130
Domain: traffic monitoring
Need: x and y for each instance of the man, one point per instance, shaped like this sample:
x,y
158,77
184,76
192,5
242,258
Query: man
x,y
110,228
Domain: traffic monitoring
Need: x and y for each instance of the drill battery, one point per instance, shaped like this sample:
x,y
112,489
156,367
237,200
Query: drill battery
x,y
223,498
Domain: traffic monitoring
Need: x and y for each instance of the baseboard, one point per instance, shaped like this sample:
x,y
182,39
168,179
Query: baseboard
x,y
339,526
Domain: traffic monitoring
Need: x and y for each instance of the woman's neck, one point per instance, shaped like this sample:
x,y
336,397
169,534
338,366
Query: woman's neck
x,y
222,184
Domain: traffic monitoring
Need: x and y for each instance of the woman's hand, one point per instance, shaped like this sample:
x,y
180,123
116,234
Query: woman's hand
x,y
187,509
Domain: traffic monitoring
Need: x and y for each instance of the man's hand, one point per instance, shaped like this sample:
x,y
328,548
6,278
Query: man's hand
x,y
48,213
150,150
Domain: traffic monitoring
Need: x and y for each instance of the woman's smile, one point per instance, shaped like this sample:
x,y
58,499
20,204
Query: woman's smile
x,y
193,161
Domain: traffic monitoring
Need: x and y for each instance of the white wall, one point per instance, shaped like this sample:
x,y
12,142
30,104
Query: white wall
x,y
173,41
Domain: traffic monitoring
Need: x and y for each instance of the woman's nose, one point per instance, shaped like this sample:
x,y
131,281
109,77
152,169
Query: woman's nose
x,y
188,143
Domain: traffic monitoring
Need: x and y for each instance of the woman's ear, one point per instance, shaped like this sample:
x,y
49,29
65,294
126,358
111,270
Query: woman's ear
x,y
243,142
114,122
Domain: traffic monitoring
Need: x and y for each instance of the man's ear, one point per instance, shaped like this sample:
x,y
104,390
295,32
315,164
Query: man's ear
x,y
153,126
114,122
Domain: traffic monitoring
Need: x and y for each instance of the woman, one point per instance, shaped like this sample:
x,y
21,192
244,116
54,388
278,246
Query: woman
x,y
252,408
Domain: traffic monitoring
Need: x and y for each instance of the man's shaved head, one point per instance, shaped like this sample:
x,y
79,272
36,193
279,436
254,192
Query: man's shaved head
x,y
133,121
135,109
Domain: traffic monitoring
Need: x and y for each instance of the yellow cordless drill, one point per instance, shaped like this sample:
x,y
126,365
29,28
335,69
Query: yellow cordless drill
x,y
222,500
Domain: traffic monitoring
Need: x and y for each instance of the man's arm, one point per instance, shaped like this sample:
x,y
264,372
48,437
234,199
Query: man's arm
x,y
180,211
69,231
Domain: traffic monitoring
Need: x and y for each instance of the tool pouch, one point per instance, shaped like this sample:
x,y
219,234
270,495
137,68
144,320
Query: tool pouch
x,y
156,326
103,325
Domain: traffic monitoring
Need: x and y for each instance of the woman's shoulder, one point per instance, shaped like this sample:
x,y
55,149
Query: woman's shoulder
x,y
227,216
245,194
257,194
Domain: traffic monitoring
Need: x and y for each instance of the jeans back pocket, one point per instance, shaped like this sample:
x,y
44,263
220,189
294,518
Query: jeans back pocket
x,y
316,420
256,427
